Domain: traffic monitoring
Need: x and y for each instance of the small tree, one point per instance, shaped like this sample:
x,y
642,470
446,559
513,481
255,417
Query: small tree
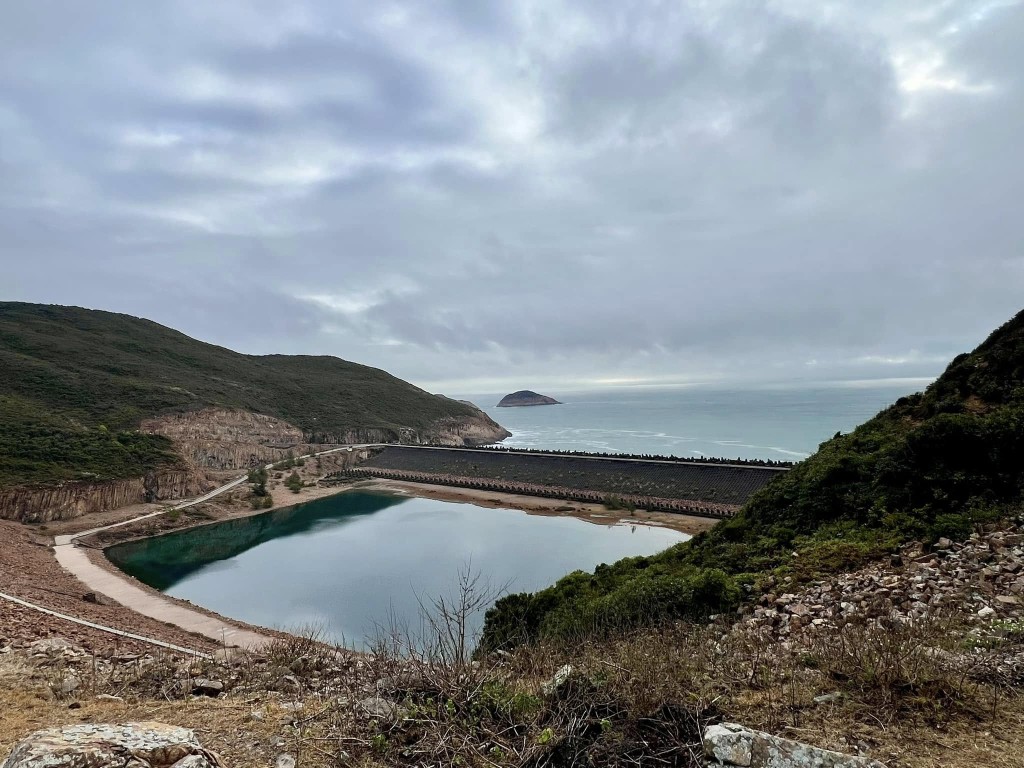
x,y
258,480
294,482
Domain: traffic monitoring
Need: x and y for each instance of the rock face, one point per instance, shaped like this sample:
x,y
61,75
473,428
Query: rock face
x,y
526,397
479,429
28,504
730,744
221,438
130,745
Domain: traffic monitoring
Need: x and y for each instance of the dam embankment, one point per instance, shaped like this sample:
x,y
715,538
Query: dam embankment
x,y
716,490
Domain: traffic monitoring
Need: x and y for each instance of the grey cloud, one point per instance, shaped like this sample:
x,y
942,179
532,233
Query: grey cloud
x,y
679,191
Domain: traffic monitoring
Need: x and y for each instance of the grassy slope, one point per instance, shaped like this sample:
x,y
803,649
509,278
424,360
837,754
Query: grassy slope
x,y
67,371
931,465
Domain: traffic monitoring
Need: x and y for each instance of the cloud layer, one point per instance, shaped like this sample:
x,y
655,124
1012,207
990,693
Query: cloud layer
x,y
479,194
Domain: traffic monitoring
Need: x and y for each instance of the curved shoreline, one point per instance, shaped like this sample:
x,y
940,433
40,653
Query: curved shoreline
x,y
98,573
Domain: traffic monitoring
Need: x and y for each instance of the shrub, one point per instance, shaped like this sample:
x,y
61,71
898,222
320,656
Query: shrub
x,y
294,482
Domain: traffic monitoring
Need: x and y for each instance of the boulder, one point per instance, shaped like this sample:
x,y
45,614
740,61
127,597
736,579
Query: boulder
x,y
203,687
556,683
378,707
730,744
128,745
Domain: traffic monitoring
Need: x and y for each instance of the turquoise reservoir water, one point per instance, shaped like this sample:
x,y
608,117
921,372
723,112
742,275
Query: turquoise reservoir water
x,y
348,562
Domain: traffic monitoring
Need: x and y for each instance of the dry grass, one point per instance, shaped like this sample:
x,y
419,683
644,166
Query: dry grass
x,y
910,695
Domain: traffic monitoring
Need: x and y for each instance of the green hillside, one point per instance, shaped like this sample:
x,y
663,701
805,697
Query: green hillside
x,y
931,465
77,382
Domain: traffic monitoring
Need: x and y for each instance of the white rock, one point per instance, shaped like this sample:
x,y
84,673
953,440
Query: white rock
x,y
730,744
128,745
375,706
556,682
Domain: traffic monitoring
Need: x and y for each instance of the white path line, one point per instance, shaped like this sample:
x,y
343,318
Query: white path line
x,y
121,589
102,628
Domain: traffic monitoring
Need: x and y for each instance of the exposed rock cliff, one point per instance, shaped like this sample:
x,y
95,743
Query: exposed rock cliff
x,y
69,500
220,438
479,429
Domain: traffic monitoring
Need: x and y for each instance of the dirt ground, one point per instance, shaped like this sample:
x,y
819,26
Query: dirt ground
x,y
28,570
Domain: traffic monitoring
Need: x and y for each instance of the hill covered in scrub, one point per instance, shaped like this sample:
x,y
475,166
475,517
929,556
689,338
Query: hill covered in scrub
x,y
932,465
77,384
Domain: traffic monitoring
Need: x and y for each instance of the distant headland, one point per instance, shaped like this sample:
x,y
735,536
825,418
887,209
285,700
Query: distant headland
x,y
526,397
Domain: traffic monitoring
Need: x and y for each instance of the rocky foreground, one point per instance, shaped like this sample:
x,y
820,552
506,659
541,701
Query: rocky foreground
x,y
912,662
981,581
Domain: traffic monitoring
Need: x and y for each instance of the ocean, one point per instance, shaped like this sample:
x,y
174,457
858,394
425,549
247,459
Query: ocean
x,y
779,424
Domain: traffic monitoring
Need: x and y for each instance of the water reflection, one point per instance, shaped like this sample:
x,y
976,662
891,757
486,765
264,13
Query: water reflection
x,y
348,562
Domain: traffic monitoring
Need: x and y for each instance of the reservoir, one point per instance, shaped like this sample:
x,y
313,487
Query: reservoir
x,y
350,563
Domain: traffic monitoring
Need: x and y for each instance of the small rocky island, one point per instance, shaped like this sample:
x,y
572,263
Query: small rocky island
x,y
526,397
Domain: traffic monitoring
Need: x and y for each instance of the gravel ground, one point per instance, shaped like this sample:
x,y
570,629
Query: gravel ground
x,y
29,571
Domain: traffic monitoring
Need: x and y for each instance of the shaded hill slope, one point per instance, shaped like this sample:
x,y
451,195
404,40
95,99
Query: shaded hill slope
x,y
933,464
78,382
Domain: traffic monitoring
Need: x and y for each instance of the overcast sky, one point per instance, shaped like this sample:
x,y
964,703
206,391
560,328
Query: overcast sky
x,y
484,196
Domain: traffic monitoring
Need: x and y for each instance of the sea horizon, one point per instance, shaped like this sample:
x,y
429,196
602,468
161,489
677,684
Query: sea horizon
x,y
768,422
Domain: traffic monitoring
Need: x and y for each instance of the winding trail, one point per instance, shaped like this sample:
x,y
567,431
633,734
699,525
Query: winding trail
x,y
123,590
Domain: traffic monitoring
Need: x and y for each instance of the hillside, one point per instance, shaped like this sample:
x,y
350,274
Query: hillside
x,y
78,383
932,465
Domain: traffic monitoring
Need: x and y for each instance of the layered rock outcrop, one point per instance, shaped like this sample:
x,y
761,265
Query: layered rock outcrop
x,y
129,745
479,429
29,504
220,438
730,744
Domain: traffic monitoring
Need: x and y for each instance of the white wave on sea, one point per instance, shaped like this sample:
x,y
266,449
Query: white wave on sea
x,y
777,424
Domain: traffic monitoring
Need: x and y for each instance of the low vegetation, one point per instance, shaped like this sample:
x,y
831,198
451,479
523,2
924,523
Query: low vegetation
x,y
934,464
912,694
77,383
39,446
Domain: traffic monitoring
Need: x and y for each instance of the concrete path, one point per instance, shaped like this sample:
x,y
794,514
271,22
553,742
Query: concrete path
x,y
121,589
117,587
104,628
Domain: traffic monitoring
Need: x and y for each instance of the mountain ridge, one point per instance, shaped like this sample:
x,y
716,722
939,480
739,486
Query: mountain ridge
x,y
80,382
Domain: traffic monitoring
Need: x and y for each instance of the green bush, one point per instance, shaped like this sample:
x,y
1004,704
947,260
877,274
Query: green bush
x,y
294,482
934,464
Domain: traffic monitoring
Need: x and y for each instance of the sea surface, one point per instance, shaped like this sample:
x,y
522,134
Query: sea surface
x,y
780,424
352,563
